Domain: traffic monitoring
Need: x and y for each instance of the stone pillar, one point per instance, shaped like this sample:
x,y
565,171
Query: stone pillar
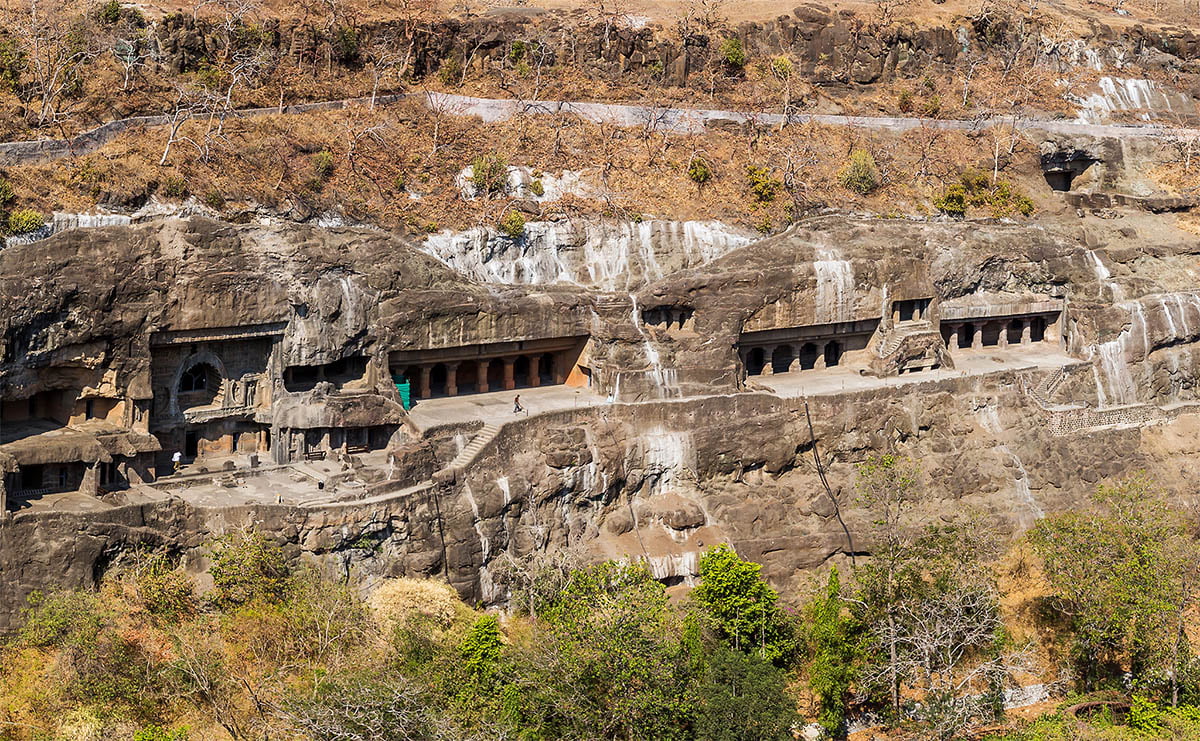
x,y
1052,333
1026,332
819,364
451,379
481,375
768,361
952,342
977,337
916,311
535,371
423,385
1003,340
90,484
509,382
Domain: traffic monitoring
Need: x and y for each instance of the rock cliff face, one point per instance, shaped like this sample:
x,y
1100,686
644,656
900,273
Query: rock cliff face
x,y
698,442
88,300
832,46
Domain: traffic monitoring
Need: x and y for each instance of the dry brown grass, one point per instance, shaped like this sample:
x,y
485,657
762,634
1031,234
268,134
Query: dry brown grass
x,y
269,162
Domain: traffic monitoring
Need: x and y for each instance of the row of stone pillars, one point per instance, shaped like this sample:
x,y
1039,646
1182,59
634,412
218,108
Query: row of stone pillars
x,y
489,374
772,359
1002,333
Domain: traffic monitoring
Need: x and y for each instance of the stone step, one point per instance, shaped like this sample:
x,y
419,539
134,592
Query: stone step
x,y
486,434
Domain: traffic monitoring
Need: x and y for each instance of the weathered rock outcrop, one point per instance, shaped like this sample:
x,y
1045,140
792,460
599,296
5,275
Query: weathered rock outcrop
x,y
697,460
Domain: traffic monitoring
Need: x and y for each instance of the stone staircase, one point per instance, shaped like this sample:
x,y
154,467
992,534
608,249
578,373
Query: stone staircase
x,y
486,434
891,343
1044,389
387,490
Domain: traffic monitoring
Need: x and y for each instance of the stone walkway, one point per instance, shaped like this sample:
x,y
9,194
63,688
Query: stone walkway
x,y
839,379
296,484
679,120
497,406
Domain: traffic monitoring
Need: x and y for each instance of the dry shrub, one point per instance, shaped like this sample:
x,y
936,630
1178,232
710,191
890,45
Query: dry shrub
x,y
396,602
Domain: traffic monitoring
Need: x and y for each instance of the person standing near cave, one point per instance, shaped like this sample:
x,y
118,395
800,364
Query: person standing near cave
x,y
517,408
175,459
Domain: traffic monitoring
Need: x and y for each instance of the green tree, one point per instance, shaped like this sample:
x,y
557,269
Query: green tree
x,y
742,605
489,175
860,174
887,487
743,698
1125,574
25,220
608,661
512,224
246,567
163,590
482,647
733,54
699,171
833,639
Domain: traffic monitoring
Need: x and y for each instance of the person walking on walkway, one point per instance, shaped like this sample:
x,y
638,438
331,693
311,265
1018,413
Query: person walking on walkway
x,y
175,459
517,408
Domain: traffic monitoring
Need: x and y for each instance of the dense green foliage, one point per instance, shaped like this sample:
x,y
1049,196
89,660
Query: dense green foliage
x,y
25,220
763,186
1124,573
860,175
975,190
733,54
742,606
489,175
699,171
322,163
512,224
833,639
246,568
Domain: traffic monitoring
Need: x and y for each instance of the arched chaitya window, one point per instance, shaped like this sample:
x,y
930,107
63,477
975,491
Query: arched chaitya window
x,y
194,378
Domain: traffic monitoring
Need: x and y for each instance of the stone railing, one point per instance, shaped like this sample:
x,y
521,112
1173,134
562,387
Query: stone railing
x,y
1063,419
1075,419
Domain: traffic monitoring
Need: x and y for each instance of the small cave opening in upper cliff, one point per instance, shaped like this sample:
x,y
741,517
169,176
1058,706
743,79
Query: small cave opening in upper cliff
x,y
1062,167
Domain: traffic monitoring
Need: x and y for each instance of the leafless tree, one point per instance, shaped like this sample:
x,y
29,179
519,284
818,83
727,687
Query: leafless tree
x,y
205,679
132,48
416,17
535,579
799,158
439,108
385,60
699,18
360,710
1181,144
945,655
928,142
190,101
609,12
357,132
55,42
